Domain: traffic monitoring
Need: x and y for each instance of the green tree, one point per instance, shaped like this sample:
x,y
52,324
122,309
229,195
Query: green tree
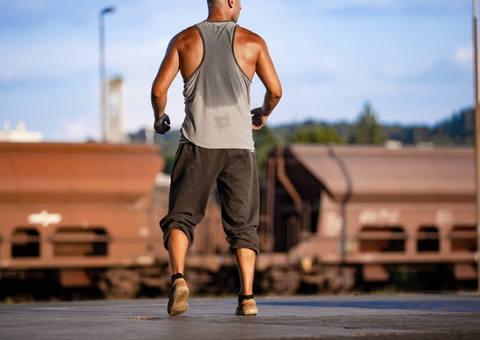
x,y
368,130
316,134
325,135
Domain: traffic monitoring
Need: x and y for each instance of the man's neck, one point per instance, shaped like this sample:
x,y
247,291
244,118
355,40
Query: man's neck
x,y
219,14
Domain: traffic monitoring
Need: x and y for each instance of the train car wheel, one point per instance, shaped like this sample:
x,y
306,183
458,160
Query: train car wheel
x,y
338,280
120,284
331,279
198,281
281,282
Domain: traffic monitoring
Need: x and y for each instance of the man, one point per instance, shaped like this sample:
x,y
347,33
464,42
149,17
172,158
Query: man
x,y
217,60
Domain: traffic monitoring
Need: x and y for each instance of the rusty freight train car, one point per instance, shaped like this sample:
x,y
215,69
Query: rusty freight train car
x,y
80,214
334,215
86,215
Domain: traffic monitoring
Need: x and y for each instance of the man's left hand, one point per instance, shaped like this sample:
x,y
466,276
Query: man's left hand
x,y
258,119
162,124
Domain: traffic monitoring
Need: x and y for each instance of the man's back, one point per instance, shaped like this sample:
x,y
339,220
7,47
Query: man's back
x,y
217,93
247,49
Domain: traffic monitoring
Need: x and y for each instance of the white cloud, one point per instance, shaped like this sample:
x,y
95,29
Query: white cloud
x,y
464,56
399,69
76,130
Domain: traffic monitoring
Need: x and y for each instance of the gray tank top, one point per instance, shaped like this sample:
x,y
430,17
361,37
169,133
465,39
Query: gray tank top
x,y
217,94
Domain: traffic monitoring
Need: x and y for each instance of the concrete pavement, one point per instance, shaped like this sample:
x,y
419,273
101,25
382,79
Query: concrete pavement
x,y
409,316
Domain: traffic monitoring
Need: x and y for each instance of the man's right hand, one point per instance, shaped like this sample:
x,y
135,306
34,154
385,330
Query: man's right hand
x,y
162,124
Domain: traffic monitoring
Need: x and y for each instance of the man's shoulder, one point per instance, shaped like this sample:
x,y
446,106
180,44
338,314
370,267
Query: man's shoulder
x,y
186,33
246,37
186,36
249,35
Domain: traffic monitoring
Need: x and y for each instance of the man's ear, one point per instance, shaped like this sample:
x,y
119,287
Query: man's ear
x,y
230,3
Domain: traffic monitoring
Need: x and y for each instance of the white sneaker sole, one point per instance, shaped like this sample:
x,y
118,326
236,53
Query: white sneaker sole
x,y
248,312
178,303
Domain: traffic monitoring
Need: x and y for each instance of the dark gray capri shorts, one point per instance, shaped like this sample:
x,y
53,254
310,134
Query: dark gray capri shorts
x,y
193,176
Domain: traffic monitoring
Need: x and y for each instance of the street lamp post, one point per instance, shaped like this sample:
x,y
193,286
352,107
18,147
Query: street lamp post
x,y
103,85
477,136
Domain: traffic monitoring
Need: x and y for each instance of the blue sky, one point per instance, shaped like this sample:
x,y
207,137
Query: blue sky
x,y
411,59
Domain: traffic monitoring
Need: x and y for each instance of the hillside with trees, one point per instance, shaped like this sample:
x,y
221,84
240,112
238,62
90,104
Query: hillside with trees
x,y
456,130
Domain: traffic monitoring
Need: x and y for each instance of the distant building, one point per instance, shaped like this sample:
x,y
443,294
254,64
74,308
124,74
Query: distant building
x,y
20,135
116,111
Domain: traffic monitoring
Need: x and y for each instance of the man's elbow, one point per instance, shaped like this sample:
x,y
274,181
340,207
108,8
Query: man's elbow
x,y
276,93
158,93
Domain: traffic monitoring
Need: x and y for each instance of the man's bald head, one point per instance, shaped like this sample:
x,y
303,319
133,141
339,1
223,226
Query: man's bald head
x,y
219,10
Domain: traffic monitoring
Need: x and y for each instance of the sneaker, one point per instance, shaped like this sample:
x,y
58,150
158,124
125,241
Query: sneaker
x,y
177,297
247,307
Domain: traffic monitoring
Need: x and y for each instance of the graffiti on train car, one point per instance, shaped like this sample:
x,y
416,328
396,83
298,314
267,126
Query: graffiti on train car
x,y
44,218
379,216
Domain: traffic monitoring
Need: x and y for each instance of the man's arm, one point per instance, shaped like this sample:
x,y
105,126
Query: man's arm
x,y
267,74
165,76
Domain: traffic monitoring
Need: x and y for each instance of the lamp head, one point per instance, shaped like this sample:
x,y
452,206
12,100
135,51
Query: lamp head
x,y
107,10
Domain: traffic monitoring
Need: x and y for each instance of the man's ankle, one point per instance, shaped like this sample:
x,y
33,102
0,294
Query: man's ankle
x,y
244,297
177,276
